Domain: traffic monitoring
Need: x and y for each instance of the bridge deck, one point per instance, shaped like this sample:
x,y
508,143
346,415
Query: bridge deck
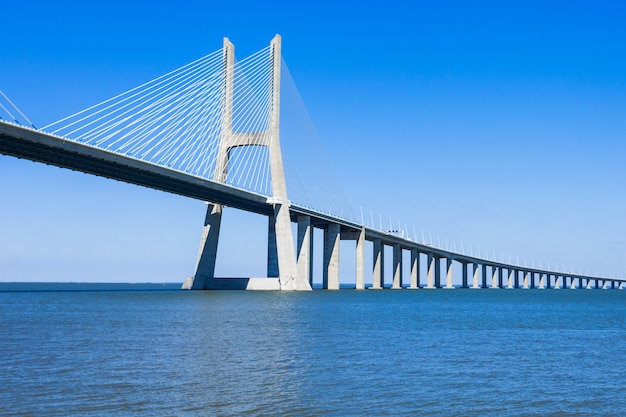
x,y
38,146
34,145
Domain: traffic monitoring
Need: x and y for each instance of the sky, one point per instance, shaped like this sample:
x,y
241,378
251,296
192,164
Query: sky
x,y
493,125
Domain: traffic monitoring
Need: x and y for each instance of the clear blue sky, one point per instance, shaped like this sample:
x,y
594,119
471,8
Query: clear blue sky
x,y
496,124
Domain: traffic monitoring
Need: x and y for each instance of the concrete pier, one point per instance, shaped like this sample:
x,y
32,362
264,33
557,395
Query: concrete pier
x,y
360,260
331,257
430,279
415,269
449,284
526,280
484,283
378,270
475,284
437,272
305,248
397,267
542,281
207,254
494,277
464,283
272,249
558,282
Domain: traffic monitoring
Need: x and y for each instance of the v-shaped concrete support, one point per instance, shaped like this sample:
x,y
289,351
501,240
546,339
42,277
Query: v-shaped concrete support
x,y
281,250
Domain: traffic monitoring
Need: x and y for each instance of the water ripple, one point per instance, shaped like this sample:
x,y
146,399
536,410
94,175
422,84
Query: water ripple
x,y
483,353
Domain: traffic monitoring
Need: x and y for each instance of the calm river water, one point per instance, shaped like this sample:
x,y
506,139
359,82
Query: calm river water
x,y
442,352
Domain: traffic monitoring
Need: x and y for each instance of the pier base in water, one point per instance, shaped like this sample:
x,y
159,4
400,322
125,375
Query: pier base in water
x,y
258,284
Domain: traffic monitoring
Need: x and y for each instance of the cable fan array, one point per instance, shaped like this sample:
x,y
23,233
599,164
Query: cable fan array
x,y
8,112
311,179
179,119
176,120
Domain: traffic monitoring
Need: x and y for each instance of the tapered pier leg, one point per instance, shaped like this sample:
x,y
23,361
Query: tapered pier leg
x,y
331,257
494,277
415,269
449,284
378,267
360,260
205,265
430,283
484,284
397,267
464,283
475,284
437,272
272,249
305,248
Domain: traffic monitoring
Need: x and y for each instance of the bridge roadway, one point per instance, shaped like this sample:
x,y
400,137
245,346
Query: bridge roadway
x,y
27,143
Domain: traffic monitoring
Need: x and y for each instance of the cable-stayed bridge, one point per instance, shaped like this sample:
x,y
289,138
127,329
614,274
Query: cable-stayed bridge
x,y
215,130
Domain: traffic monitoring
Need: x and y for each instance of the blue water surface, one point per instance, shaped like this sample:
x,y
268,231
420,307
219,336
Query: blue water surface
x,y
336,353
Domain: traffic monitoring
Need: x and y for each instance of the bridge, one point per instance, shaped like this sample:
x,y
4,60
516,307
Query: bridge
x,y
211,130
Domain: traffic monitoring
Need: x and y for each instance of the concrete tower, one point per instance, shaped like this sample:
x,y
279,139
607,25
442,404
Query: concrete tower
x,y
281,261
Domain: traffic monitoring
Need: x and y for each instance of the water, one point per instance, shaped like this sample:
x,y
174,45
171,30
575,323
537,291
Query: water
x,y
178,353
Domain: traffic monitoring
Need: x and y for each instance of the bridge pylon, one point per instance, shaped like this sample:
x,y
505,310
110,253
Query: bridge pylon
x,y
282,262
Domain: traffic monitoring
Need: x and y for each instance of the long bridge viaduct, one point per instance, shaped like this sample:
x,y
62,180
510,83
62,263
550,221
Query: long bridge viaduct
x,y
289,262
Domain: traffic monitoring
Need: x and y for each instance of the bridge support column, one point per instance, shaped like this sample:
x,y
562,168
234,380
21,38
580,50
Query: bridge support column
x,y
272,249
331,257
548,283
282,262
379,265
511,280
449,284
397,266
430,280
526,279
305,248
542,281
437,272
494,277
484,283
476,274
415,269
360,260
207,254
464,283
572,283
